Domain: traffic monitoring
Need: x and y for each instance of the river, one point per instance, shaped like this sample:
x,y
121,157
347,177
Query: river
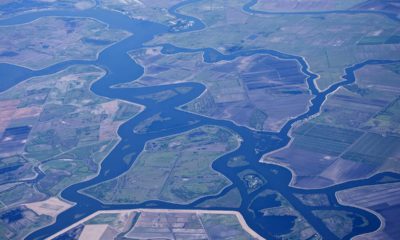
x,y
121,69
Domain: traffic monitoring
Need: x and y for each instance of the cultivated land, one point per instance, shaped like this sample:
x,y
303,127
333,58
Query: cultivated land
x,y
50,207
175,169
16,223
355,136
305,5
259,91
158,223
329,43
10,8
66,39
383,199
55,127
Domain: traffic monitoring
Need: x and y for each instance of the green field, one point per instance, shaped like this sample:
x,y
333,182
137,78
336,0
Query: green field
x,y
237,90
223,226
20,193
231,199
331,40
70,130
354,136
305,6
24,222
40,5
66,39
176,169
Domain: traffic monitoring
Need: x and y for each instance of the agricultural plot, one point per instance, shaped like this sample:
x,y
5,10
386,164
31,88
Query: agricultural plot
x,y
175,169
57,121
282,219
17,222
231,199
66,39
161,224
10,8
16,194
260,91
390,6
305,5
328,43
54,125
15,167
383,199
337,148
387,120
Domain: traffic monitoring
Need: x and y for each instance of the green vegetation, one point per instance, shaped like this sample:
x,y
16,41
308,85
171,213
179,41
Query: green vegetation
x,y
82,38
231,199
309,6
252,179
301,229
223,226
373,149
65,137
237,90
19,168
72,167
313,200
159,96
17,222
330,40
340,223
103,218
176,169
40,5
144,126
383,199
387,120
355,136
324,139
20,193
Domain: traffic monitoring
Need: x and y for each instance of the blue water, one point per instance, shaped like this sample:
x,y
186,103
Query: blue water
x,y
9,169
121,69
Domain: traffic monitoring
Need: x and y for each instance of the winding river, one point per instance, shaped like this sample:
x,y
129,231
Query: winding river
x,y
121,69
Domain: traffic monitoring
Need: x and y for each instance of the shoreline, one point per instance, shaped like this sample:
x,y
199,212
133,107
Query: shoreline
x,y
381,218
